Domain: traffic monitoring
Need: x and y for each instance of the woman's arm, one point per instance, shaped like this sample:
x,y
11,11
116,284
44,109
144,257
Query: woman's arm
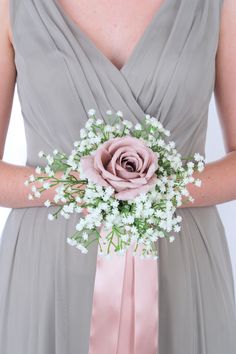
x,y
13,192
219,177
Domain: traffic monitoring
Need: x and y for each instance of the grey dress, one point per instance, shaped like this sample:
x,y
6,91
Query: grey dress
x,y
46,286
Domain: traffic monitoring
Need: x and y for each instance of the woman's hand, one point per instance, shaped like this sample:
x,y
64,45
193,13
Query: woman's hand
x,y
218,183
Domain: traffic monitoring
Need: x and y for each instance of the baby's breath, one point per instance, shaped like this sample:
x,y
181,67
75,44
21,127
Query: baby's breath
x,y
139,222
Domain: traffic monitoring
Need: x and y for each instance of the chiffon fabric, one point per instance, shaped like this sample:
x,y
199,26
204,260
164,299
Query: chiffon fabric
x,y
46,285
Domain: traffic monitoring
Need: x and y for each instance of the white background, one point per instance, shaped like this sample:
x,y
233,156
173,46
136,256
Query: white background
x,y
15,152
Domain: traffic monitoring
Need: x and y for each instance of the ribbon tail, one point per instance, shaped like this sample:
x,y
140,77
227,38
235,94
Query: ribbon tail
x,y
126,330
107,297
125,306
146,306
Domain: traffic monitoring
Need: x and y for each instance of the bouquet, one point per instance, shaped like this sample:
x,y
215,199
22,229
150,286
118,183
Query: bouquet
x,y
131,181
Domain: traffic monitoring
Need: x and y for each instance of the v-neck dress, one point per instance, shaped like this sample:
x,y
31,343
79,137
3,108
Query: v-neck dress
x,y
46,285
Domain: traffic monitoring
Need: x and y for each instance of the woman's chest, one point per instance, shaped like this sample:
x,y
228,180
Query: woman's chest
x,y
115,27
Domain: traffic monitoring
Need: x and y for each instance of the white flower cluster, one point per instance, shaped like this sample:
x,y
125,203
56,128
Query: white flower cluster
x,y
138,222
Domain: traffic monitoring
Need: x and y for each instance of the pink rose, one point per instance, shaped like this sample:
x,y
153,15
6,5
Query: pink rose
x,y
126,164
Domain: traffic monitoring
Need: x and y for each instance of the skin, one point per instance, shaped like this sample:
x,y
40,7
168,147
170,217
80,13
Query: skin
x,y
123,29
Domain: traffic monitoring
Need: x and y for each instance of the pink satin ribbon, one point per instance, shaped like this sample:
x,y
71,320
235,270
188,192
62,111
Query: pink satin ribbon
x,y
125,306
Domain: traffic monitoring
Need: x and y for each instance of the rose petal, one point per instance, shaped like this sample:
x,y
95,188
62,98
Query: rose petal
x,y
117,153
135,157
111,169
126,140
124,174
121,185
144,154
129,194
120,168
139,181
152,169
109,176
100,157
87,164
129,165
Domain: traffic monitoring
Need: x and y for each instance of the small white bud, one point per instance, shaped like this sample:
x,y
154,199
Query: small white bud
x,y
119,114
91,112
198,182
38,170
138,126
37,194
71,241
31,178
47,203
41,153
46,185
